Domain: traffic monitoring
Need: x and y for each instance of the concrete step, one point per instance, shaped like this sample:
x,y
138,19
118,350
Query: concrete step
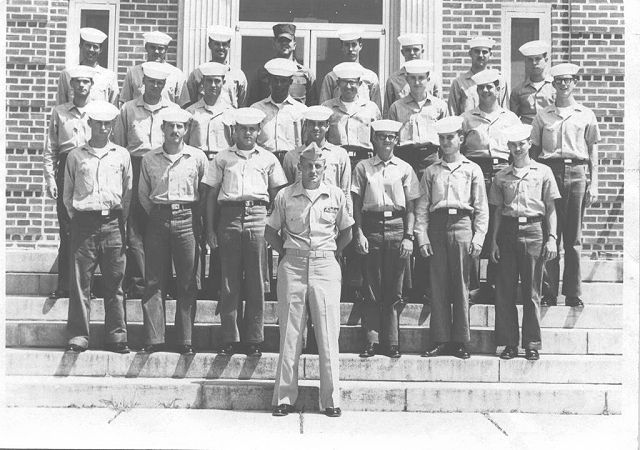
x,y
560,369
124,393
413,339
591,316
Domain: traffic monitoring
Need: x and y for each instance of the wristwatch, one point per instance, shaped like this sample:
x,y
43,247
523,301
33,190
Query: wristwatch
x,y
408,236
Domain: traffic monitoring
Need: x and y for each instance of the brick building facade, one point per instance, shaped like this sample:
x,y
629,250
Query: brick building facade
x,y
587,32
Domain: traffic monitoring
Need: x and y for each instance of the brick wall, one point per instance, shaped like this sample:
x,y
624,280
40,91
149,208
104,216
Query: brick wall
x,y
594,40
36,35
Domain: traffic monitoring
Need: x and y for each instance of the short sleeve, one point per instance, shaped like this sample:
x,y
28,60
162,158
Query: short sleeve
x,y
495,193
536,131
410,184
358,180
277,177
213,173
343,219
277,218
550,189
592,131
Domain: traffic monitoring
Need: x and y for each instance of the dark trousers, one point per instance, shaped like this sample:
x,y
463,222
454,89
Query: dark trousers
x,y
572,183
136,226
170,235
64,226
450,237
96,240
383,278
243,251
520,259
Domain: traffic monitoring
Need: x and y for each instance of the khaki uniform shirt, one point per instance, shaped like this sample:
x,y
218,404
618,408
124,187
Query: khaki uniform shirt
x,y
397,88
353,128
524,195
234,89
68,129
164,182
460,186
418,120
96,182
483,133
138,126
369,88
337,170
307,224
282,128
528,98
565,135
384,185
302,89
175,89
105,86
463,94
210,127
242,178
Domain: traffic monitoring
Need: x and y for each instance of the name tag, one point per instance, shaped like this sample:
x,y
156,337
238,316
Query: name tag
x,y
104,212
387,214
496,161
522,220
568,161
175,206
453,211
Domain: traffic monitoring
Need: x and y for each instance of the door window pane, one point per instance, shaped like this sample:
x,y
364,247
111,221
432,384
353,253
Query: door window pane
x,y
98,19
328,11
523,30
257,50
329,54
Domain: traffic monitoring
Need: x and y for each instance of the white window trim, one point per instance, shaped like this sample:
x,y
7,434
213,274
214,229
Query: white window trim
x,y
522,11
73,29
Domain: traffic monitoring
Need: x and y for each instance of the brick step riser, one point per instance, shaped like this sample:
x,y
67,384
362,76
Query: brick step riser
x,y
486,369
412,339
355,396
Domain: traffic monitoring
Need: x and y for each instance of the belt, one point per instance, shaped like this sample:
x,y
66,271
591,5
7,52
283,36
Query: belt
x,y
487,160
384,215
453,211
244,204
105,214
175,206
310,253
565,161
522,220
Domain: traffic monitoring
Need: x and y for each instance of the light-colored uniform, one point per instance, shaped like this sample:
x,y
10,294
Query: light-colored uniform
x,y
175,89
418,119
96,192
105,86
528,98
463,94
352,128
302,89
234,89
210,127
282,127
522,195
369,88
309,277
398,88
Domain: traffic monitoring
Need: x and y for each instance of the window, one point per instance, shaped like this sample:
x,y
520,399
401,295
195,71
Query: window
x,y
99,14
326,11
521,23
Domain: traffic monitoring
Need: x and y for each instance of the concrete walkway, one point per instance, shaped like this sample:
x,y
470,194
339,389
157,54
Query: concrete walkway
x,y
114,427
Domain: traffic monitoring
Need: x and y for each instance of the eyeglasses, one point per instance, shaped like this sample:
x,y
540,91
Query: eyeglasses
x,y
564,80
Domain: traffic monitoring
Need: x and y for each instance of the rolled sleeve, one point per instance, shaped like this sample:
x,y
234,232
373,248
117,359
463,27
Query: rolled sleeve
x,y
358,180
422,211
550,191
411,185
592,132
213,174
343,219
495,193
480,207
277,177
536,131
276,219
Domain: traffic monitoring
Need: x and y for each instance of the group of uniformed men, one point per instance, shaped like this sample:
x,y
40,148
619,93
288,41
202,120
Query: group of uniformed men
x,y
147,176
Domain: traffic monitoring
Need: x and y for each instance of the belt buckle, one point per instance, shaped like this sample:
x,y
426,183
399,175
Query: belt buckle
x,y
452,211
387,214
568,161
522,220
104,212
175,206
248,203
352,153
496,161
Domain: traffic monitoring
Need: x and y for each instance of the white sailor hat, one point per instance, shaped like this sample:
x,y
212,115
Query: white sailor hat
x,y
220,33
517,133
486,76
417,66
448,125
92,35
480,41
408,39
157,37
281,67
248,116
312,152
348,70
318,113
213,69
350,34
533,48
81,72
564,69
155,70
175,114
391,126
102,110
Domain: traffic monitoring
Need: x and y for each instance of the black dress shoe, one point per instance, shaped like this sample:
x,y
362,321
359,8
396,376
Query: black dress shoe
x,y
369,351
59,293
151,348
282,410
509,352
227,349
460,351
186,349
574,302
438,350
118,347
73,348
93,295
254,351
332,412
531,354
549,301
394,352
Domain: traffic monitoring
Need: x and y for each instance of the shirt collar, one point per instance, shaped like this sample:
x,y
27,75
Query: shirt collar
x,y
376,160
288,100
547,79
577,107
298,189
163,103
531,166
236,150
442,162
111,147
